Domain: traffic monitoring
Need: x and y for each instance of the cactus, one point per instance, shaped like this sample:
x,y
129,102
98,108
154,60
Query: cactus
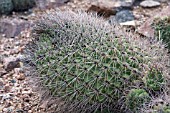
x,y
94,67
22,5
161,108
6,6
162,29
136,98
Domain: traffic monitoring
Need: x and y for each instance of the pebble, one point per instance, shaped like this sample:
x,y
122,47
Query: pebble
x,y
20,76
150,3
1,83
7,88
11,62
5,110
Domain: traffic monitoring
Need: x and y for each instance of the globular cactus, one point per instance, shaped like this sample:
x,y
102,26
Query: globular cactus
x,y
95,67
22,5
6,6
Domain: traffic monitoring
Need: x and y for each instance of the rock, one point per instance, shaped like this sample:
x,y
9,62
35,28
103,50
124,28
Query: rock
x,y
102,11
6,6
23,5
6,88
128,23
13,27
1,83
124,16
5,110
20,76
149,3
10,63
13,81
6,96
2,71
114,3
127,3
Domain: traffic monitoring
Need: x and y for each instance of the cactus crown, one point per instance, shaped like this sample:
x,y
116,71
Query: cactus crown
x,y
93,66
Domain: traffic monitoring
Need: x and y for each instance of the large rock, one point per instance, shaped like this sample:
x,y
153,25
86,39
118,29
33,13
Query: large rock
x,y
22,5
13,27
6,6
150,3
124,16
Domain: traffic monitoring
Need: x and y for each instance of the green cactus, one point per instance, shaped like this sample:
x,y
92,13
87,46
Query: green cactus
x,y
136,98
92,66
166,109
161,108
154,80
22,5
6,6
162,29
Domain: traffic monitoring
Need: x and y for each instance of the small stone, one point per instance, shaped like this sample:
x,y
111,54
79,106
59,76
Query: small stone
x,y
128,23
27,92
1,83
13,81
30,111
10,63
149,3
127,3
2,71
5,109
26,99
20,76
102,11
13,27
7,88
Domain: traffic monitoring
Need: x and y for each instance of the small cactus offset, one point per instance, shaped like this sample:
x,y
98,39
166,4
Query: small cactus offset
x,y
22,5
162,29
94,67
6,6
137,97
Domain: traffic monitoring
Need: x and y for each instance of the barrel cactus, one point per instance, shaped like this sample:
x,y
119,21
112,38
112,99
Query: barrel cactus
x,y
22,5
95,67
6,6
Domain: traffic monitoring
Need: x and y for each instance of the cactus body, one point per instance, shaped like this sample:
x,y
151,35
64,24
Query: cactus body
x,y
6,6
94,67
